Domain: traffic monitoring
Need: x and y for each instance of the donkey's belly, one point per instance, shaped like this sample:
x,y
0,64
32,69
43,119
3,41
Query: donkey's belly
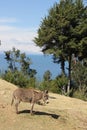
x,y
26,99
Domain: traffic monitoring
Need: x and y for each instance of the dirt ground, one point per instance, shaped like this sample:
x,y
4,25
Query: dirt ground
x,y
62,113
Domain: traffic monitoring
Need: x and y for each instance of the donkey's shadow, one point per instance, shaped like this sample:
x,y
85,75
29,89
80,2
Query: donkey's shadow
x,y
55,116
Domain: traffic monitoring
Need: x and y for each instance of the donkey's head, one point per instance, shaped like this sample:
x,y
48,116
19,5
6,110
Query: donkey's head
x,y
45,96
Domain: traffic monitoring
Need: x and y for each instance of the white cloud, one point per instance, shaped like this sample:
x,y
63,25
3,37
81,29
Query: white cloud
x,y
20,34
8,20
20,38
22,46
5,28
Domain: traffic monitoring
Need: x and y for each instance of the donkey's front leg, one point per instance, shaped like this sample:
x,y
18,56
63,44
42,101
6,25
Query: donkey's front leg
x,y
31,111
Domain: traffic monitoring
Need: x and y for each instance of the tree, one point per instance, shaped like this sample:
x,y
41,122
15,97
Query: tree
x,y
19,71
79,79
25,63
47,75
12,57
79,75
63,32
46,83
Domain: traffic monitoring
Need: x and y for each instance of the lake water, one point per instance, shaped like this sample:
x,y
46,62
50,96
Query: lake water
x,y
41,63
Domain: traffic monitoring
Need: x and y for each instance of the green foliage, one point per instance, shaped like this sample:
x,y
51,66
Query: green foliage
x,y
16,78
64,32
80,95
45,85
19,71
79,74
12,57
32,82
47,76
25,63
56,85
62,80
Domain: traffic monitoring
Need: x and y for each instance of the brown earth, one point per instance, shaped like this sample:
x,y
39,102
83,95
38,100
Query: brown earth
x,y
62,113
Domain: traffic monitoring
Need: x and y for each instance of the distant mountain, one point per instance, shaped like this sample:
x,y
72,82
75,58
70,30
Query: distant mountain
x,y
40,63
43,63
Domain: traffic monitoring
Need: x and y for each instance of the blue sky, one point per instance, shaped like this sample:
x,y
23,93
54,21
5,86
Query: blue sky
x,y
19,21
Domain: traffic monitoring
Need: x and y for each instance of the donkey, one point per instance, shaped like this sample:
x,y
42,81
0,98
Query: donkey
x,y
28,95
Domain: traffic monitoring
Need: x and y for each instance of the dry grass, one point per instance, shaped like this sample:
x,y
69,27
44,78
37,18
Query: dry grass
x,y
62,113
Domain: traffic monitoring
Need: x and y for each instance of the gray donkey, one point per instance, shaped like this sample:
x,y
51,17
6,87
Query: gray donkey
x,y
28,95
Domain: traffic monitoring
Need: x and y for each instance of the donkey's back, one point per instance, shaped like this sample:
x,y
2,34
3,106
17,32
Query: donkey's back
x,y
24,95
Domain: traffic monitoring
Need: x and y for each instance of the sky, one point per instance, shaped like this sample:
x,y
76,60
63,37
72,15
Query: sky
x,y
19,22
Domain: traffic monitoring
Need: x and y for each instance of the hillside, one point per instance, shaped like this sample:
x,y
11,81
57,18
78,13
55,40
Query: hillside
x,y
62,113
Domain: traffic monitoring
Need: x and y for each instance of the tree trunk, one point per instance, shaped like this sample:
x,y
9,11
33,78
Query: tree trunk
x,y
63,66
69,75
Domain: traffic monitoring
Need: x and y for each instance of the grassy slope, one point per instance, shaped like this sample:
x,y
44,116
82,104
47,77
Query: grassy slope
x,y
62,113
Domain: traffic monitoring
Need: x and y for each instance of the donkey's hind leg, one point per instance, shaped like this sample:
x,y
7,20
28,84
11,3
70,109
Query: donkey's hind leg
x,y
16,105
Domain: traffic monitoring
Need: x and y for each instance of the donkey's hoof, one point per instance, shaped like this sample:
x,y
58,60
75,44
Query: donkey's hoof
x,y
32,113
17,112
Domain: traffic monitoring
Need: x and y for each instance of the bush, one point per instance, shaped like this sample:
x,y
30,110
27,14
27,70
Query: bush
x,y
16,78
80,95
55,85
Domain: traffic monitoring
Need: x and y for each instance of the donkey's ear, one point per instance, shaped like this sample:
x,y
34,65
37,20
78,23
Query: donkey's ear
x,y
46,91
